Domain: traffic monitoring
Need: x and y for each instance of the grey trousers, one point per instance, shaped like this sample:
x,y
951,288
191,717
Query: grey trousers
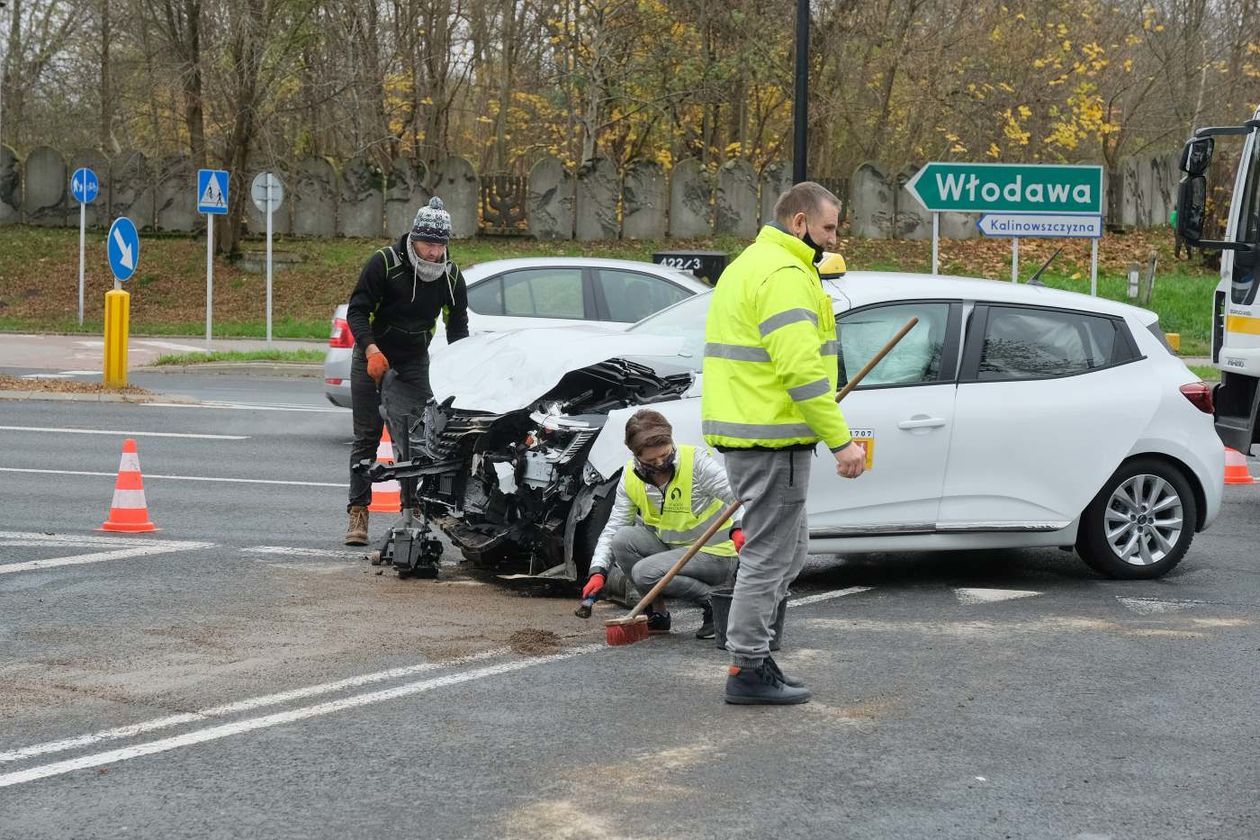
x,y
772,486
645,559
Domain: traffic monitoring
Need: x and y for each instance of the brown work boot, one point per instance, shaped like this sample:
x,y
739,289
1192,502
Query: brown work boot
x,y
357,530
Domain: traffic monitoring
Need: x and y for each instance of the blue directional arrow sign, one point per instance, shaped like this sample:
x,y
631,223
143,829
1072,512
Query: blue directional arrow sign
x,y
212,191
124,248
84,186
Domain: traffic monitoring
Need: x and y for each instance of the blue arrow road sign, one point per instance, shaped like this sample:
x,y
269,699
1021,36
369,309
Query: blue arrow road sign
x,y
212,191
124,248
84,186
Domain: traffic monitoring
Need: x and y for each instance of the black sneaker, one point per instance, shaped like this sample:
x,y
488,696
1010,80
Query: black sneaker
x,y
786,680
706,630
759,685
658,622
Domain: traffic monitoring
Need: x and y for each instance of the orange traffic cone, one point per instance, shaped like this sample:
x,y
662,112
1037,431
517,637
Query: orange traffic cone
x,y
1236,468
386,495
129,513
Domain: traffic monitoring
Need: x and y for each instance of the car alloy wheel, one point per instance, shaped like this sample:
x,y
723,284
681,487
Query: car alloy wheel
x,y
1144,519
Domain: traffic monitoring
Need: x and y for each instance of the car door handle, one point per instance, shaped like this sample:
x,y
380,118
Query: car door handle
x,y
921,422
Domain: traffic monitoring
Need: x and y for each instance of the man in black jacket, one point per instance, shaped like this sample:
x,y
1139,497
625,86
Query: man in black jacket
x,y
393,311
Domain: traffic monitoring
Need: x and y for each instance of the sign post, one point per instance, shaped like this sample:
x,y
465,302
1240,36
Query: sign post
x,y
84,187
1038,200
212,199
123,248
267,193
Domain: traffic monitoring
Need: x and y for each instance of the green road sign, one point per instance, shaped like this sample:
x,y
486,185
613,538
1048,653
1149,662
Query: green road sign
x,y
1008,188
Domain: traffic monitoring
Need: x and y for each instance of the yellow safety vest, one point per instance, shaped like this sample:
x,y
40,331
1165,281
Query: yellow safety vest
x,y
675,522
770,365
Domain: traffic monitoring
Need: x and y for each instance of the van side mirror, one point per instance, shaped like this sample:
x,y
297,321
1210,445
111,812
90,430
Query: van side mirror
x,y
1197,156
1191,207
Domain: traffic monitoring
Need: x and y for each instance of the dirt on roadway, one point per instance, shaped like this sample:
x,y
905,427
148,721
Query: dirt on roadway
x,y
300,625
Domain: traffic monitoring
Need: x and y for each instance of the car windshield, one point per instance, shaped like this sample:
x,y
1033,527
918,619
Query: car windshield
x,y
683,320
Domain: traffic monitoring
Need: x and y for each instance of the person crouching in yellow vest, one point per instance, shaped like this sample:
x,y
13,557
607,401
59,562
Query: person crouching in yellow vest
x,y
770,372
668,496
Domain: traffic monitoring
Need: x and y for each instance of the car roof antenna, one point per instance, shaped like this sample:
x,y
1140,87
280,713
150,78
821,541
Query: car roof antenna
x,y
1035,280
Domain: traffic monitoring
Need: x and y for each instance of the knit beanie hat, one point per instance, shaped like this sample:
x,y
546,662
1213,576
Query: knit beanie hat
x,y
432,224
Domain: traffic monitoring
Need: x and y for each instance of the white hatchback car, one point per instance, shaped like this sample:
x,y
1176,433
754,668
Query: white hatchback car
x,y
1011,416
539,292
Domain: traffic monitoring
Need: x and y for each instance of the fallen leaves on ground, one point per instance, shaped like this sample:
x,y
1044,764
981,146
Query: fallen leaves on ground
x,y
66,386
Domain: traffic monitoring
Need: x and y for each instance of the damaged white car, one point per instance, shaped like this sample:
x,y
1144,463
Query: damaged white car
x,y
1011,416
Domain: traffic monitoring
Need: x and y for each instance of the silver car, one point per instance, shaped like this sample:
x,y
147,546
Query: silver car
x,y
539,292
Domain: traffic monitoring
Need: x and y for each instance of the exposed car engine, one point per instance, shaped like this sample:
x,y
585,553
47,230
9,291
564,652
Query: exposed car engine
x,y
515,490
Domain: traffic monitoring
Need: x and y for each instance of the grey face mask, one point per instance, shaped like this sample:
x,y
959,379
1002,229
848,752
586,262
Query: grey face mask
x,y
427,271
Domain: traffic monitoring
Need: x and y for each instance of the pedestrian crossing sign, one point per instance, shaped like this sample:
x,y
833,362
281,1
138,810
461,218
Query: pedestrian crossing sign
x,y
212,191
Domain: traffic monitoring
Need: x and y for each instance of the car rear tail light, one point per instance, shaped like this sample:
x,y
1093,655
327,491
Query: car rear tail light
x,y
333,381
1199,393
341,335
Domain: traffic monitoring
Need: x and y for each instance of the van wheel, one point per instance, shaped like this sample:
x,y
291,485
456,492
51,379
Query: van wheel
x,y
1140,524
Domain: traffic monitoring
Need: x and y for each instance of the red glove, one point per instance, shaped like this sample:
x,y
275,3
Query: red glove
x,y
377,364
593,585
737,537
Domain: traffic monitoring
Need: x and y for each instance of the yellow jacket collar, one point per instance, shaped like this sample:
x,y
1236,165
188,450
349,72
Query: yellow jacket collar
x,y
775,235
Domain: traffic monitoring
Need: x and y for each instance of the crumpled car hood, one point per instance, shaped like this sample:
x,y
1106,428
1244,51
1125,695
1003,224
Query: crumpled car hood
x,y
506,371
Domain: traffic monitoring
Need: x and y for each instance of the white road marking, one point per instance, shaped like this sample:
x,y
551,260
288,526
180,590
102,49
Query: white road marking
x,y
970,597
1151,606
827,596
226,730
120,433
171,345
291,551
246,407
46,376
148,476
84,540
247,705
279,718
82,372
99,557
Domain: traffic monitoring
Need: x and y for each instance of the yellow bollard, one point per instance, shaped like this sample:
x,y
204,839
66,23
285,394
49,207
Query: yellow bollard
x,y
117,324
1174,341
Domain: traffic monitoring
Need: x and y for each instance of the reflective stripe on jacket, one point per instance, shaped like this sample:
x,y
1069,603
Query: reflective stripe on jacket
x,y
770,366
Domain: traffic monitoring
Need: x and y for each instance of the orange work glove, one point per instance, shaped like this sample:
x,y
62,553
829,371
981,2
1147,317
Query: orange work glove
x,y
377,364
593,585
737,537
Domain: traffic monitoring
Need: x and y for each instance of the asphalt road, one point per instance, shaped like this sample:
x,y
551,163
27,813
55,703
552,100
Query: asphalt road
x,y
240,673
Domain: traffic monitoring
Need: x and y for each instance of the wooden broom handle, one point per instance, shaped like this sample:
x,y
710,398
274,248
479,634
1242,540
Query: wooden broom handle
x,y
647,599
682,561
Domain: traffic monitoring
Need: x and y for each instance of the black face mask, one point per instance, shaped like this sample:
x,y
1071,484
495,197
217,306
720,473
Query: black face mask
x,y
818,251
647,471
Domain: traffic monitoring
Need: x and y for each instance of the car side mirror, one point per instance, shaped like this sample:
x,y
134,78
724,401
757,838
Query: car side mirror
x,y
1191,207
1197,156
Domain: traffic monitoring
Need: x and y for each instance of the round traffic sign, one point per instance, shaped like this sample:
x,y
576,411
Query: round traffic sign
x,y
84,186
123,246
258,191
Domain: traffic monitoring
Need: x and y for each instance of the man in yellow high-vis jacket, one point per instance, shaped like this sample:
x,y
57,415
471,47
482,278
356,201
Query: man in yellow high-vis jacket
x,y
770,372
668,496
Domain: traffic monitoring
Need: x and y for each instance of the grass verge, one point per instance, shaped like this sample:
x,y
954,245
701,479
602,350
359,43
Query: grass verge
x,y
292,356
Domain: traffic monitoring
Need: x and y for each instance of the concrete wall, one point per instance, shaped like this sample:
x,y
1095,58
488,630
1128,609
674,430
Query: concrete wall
x,y
597,202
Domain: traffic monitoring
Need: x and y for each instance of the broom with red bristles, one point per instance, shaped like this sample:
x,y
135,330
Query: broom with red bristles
x,y
633,627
